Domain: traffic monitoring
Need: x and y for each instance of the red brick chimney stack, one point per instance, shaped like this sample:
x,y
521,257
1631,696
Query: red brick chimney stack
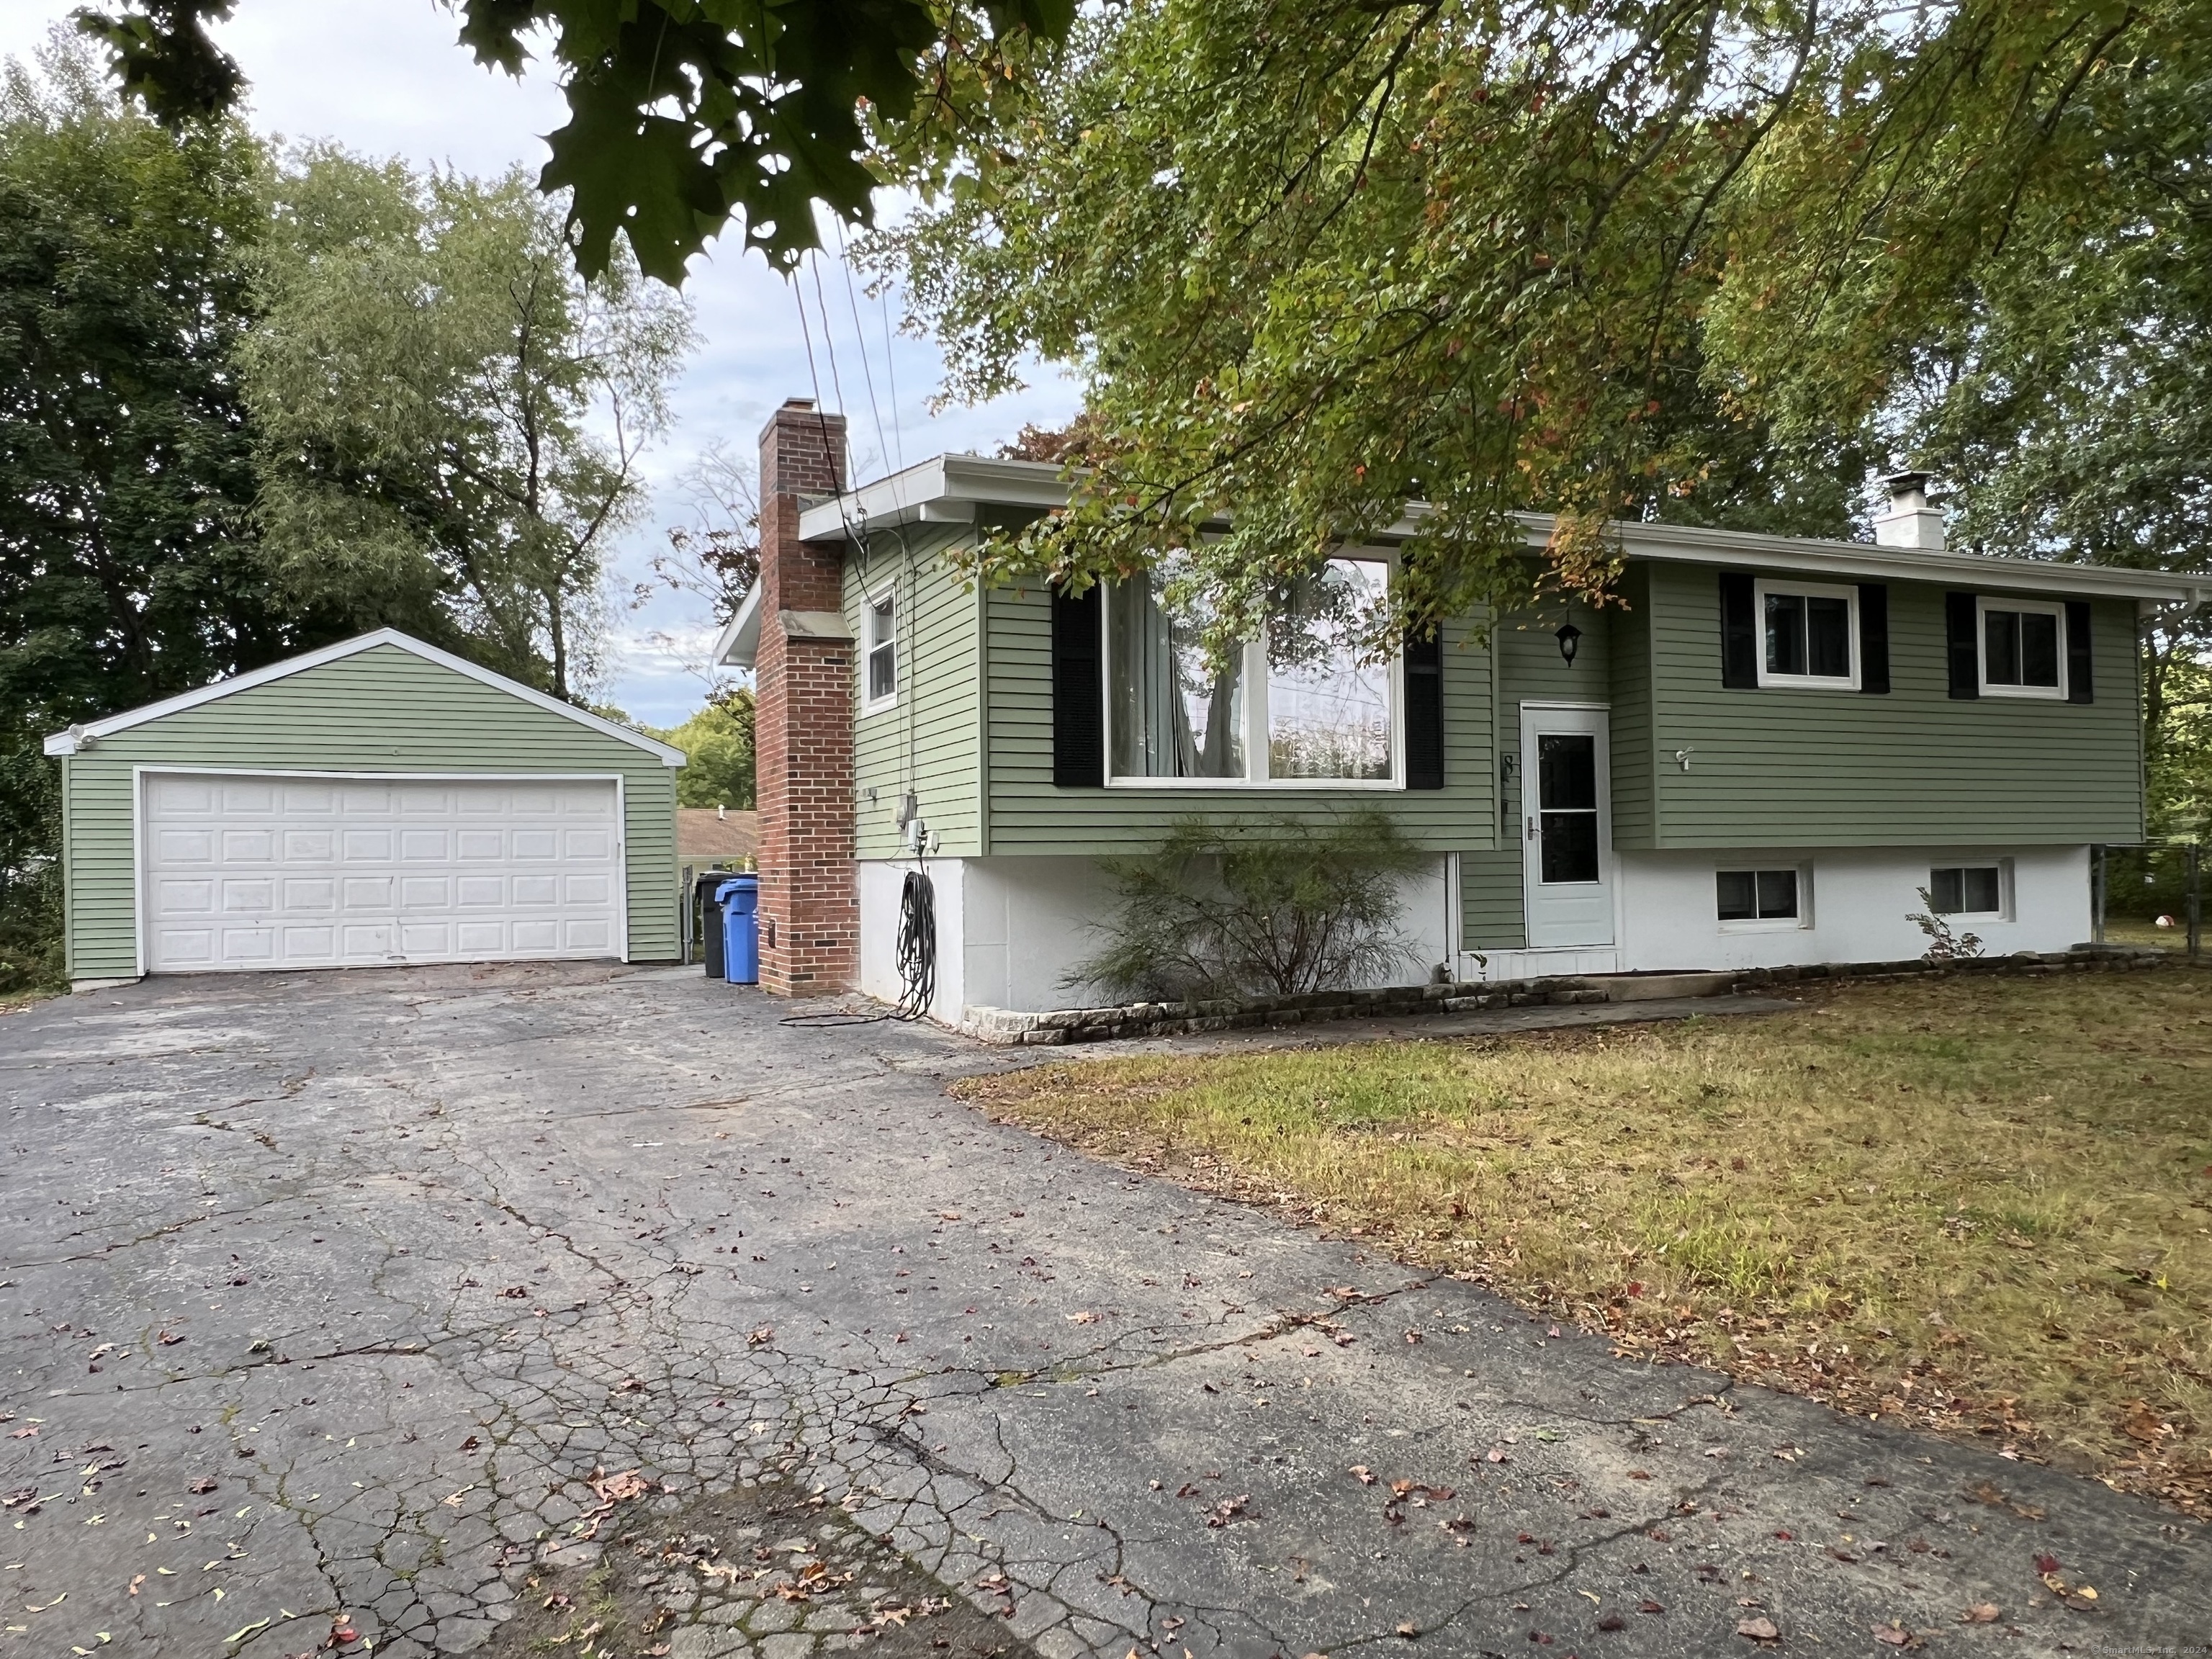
x,y
810,916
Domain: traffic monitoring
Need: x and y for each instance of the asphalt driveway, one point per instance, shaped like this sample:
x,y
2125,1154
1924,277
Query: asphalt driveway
x,y
439,1309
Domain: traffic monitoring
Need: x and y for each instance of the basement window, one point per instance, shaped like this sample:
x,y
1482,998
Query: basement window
x,y
1754,896
883,652
1968,890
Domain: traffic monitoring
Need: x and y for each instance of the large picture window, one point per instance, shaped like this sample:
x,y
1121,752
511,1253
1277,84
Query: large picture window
x,y
1808,636
1305,711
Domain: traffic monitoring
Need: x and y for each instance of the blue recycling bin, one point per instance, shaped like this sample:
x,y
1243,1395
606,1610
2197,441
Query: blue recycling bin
x,y
739,900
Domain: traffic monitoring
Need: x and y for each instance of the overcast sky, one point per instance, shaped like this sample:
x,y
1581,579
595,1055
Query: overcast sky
x,y
384,77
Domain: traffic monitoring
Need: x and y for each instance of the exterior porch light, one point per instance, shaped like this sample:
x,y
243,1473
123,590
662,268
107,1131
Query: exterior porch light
x,y
1569,638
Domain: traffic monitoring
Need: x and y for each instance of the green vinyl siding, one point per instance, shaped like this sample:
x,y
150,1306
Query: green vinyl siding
x,y
1529,670
1028,814
1776,768
380,710
929,741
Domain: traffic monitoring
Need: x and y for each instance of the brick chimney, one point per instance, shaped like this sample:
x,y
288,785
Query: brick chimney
x,y
810,916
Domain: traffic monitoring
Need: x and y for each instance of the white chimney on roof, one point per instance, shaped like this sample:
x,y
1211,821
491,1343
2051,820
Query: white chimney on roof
x,y
1908,521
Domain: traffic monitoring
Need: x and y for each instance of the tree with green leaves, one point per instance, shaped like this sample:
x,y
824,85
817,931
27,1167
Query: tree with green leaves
x,y
718,745
448,420
1618,256
126,471
684,112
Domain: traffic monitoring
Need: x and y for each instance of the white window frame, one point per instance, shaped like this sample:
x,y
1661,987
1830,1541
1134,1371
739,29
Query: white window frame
x,y
1984,603
1760,588
887,594
1798,923
1976,861
1255,667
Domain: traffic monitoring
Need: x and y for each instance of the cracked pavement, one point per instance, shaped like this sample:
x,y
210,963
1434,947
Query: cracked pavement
x,y
329,1297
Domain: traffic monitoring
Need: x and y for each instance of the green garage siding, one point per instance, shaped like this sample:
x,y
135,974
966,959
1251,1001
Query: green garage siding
x,y
930,740
383,709
1028,814
1778,768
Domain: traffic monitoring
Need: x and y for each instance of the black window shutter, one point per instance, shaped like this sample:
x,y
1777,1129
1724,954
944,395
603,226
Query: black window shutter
x,y
1425,712
1079,704
1960,618
1739,633
2081,679
1874,638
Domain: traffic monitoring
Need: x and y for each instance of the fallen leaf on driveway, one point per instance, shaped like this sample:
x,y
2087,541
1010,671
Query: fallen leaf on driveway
x,y
1362,1474
1759,1630
618,1488
1227,1509
1982,1613
201,1486
1409,1629
1612,1621
1894,1636
1086,1317
760,1335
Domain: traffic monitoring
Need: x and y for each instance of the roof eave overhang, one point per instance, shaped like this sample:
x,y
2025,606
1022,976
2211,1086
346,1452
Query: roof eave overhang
x,y
950,488
739,642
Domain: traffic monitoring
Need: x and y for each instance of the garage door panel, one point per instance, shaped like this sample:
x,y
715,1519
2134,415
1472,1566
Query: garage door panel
x,y
255,895
174,847
310,893
173,896
246,873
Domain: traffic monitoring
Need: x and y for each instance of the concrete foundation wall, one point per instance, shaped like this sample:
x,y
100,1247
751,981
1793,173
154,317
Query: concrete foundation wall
x,y
1853,904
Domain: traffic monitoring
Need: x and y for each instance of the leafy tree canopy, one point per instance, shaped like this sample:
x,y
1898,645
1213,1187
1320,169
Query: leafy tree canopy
x,y
718,743
448,420
683,113
1618,256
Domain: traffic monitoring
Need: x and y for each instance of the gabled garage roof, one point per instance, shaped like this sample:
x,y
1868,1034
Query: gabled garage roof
x,y
79,737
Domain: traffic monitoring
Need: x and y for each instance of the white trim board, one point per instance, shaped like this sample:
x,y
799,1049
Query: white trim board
x,y
79,738
140,771
950,488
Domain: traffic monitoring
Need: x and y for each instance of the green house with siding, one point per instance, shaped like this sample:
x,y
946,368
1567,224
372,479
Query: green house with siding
x,y
1761,756
377,802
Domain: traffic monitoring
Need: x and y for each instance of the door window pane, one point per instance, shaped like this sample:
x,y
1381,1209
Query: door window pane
x,y
1174,715
1566,771
1570,846
1566,806
1329,715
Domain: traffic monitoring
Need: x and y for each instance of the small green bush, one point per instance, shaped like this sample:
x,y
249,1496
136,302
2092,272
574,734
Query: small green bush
x,y
1267,907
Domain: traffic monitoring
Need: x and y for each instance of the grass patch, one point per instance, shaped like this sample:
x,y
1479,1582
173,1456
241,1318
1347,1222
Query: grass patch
x,y
1983,1205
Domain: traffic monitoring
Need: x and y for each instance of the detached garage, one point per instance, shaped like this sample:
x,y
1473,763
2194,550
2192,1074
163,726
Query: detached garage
x,y
375,803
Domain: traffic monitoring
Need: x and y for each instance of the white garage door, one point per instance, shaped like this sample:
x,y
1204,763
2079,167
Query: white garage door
x,y
305,871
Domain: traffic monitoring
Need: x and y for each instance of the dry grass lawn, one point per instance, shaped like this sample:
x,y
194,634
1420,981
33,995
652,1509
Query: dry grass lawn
x,y
1983,1205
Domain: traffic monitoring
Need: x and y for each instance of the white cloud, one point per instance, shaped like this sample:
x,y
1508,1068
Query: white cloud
x,y
385,77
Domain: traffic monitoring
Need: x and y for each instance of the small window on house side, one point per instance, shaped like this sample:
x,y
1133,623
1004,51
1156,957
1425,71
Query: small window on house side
x,y
1969,889
1808,636
1756,895
2023,648
882,651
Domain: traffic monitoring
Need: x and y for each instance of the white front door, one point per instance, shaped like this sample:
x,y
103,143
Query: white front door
x,y
302,871
1566,829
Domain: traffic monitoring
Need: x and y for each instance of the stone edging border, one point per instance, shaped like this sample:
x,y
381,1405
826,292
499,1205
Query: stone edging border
x,y
1008,1027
